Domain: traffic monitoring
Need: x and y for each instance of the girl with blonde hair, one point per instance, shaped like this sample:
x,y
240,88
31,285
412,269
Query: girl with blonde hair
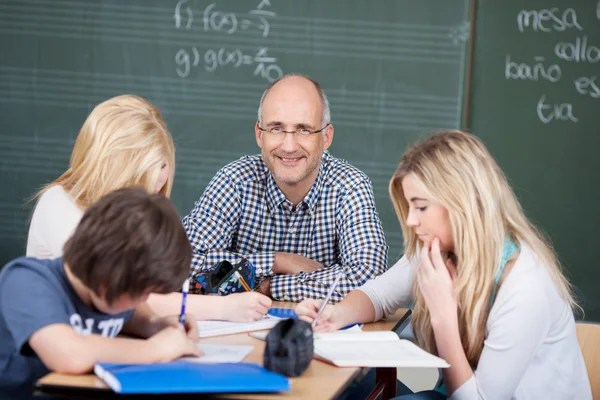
x,y
123,142
488,292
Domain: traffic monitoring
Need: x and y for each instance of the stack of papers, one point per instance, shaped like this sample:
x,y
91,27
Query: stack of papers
x,y
217,328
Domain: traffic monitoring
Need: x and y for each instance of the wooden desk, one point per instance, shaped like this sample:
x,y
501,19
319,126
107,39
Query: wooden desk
x,y
319,381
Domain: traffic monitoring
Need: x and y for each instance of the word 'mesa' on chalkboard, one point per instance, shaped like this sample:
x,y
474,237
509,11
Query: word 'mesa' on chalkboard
x,y
572,46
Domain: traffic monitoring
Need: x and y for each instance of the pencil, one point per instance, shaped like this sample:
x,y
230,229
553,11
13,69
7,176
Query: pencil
x,y
242,281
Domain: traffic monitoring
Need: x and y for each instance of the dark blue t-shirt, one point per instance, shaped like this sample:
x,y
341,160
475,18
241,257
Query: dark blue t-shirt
x,y
34,294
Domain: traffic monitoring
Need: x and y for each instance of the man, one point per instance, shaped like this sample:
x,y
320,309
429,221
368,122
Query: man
x,y
299,215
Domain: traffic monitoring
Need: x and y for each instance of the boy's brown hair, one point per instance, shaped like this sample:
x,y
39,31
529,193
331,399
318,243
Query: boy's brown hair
x,y
128,243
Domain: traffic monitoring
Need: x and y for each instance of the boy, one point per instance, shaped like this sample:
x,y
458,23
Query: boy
x,y
63,315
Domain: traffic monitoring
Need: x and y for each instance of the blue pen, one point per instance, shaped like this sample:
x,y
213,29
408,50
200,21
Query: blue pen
x,y
184,292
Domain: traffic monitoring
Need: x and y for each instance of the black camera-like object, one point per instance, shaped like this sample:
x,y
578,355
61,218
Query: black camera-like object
x,y
290,347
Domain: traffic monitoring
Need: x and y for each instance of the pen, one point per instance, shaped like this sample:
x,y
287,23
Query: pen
x,y
184,292
327,297
242,281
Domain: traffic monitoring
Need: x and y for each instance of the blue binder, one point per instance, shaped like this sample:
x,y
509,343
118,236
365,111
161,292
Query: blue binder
x,y
187,377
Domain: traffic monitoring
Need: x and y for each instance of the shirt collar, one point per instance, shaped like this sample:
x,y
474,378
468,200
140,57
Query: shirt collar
x,y
312,197
275,196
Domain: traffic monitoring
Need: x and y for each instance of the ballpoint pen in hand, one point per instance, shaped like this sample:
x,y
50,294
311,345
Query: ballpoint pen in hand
x,y
328,296
184,292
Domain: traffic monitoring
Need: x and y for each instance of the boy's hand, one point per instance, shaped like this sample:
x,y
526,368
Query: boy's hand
x,y
172,342
191,328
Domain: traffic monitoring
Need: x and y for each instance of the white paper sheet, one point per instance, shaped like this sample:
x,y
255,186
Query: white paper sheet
x,y
217,353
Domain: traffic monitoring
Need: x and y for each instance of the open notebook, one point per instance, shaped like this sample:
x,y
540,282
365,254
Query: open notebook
x,y
372,349
355,348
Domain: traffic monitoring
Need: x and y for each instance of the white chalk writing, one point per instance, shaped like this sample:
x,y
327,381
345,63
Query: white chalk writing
x,y
578,51
523,71
560,112
572,48
215,20
548,20
180,21
588,86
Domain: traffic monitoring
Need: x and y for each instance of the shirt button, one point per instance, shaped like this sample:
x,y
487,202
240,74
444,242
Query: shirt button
x,y
286,297
292,230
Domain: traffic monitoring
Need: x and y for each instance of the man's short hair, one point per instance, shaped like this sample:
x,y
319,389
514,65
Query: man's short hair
x,y
325,110
128,243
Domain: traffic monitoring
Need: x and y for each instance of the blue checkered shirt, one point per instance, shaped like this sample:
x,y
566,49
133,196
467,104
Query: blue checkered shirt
x,y
242,213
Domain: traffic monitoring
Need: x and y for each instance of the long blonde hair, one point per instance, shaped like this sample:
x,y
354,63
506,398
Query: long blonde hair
x,y
457,171
123,142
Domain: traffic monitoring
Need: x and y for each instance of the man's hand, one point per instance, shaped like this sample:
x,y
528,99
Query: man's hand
x,y
265,287
289,264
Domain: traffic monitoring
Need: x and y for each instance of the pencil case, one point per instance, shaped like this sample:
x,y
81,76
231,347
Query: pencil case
x,y
221,280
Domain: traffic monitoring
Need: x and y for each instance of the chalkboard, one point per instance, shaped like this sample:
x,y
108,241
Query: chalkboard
x,y
392,70
535,103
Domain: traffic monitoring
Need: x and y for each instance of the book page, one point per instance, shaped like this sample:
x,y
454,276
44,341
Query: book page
x,y
356,336
392,353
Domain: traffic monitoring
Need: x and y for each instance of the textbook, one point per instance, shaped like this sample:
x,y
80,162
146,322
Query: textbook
x,y
185,377
372,349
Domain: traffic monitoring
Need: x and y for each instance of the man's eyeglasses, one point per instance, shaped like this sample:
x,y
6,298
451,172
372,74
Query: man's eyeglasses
x,y
278,133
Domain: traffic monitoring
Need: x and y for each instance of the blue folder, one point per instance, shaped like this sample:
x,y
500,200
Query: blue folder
x,y
188,377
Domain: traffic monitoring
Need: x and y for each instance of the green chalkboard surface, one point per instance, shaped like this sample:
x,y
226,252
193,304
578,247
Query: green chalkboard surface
x,y
535,103
392,70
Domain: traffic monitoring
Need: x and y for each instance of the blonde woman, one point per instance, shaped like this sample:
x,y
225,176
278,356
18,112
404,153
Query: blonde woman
x,y
123,142
489,295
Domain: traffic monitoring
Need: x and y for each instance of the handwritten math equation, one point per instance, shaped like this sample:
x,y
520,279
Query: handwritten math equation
x,y
228,23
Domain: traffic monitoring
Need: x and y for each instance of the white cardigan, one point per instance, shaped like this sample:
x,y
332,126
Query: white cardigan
x,y
53,222
530,349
